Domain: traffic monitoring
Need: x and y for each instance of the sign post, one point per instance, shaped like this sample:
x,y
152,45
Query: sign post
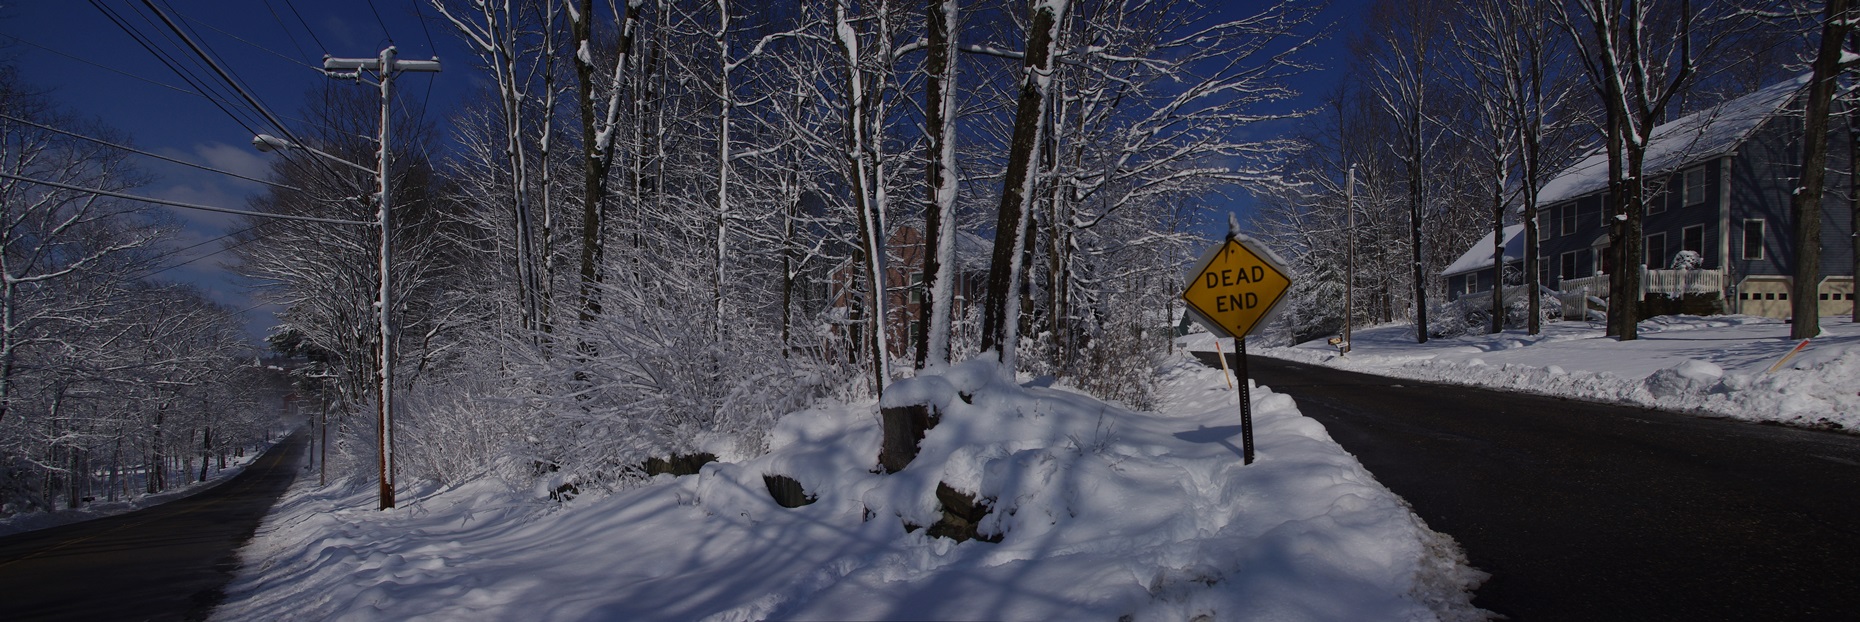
x,y
1235,288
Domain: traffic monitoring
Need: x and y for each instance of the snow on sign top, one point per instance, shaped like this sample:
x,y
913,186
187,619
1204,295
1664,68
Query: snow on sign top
x,y
1236,287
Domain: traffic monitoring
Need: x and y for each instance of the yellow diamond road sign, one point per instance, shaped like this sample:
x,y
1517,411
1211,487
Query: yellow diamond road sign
x,y
1236,287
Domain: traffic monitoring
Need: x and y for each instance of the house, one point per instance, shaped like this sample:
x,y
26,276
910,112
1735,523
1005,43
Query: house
x,y
1718,231
904,283
1471,274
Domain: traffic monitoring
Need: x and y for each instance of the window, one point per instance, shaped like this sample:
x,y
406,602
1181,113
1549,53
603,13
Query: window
x,y
1569,266
1656,251
1695,186
1569,219
916,295
1693,239
1604,208
1657,204
1753,238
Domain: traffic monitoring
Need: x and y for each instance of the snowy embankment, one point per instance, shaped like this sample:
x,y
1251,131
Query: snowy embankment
x,y
1100,513
1716,366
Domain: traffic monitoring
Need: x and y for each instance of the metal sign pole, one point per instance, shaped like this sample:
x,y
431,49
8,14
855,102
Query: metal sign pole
x,y
1246,401
1235,288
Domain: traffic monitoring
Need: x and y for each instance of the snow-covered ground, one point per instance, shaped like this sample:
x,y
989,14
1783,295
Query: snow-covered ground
x,y
1715,366
33,521
1101,513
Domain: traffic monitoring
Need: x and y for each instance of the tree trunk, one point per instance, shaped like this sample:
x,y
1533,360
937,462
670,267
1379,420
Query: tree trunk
x,y
940,169
1415,195
1806,202
1001,316
1498,251
597,138
863,181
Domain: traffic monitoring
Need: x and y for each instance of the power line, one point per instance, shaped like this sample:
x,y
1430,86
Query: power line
x,y
243,40
228,79
206,255
165,60
384,28
287,29
141,152
207,208
306,25
102,66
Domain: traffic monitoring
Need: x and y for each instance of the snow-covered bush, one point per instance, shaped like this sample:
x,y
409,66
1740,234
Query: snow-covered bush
x,y
1473,314
651,383
1688,260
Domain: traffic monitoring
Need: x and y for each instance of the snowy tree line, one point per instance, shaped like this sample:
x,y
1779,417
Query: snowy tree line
x,y
112,382
663,223
1456,113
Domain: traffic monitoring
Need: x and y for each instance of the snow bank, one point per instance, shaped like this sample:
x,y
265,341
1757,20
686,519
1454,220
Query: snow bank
x,y
1716,366
34,521
1101,513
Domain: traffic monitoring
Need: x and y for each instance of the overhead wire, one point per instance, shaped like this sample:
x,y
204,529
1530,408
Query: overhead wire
x,y
145,153
378,20
306,25
170,63
287,30
237,86
101,66
183,204
243,40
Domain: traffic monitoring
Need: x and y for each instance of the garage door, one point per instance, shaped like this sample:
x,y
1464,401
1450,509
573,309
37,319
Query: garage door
x,y
1764,296
1837,296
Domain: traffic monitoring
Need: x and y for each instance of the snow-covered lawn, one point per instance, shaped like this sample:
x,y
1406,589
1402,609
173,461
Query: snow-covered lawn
x,y
1716,366
1102,514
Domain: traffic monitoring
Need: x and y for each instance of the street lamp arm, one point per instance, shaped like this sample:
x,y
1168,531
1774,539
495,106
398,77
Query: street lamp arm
x,y
268,143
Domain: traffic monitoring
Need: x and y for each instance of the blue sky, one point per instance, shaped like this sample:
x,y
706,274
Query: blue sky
x,y
94,68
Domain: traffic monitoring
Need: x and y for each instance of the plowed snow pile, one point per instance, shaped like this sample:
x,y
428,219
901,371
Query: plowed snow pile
x,y
1100,512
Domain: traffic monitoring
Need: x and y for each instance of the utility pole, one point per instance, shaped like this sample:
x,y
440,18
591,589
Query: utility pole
x,y
385,68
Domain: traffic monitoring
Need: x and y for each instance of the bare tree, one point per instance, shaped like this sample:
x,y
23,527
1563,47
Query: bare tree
x,y
1837,20
1405,64
1001,316
1638,56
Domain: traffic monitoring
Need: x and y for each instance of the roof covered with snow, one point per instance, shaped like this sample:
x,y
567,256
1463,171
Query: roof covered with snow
x,y
1692,138
1480,255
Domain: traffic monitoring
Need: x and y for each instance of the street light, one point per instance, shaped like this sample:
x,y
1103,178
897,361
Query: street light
x,y
267,143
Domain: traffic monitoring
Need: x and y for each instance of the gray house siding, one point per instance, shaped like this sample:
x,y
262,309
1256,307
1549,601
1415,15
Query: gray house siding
x,y
1744,159
1765,173
1673,221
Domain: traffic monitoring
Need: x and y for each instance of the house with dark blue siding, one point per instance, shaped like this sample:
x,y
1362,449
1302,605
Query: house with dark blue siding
x,y
1716,220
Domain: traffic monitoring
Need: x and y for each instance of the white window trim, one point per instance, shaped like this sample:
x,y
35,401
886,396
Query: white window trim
x,y
1686,180
1570,259
1647,244
1567,223
1762,234
1682,239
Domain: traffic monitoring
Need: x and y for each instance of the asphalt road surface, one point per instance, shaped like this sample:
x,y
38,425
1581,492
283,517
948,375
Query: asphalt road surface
x,y
1584,511
166,562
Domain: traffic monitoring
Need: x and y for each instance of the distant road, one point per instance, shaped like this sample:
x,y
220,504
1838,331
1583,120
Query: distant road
x,y
1591,512
166,562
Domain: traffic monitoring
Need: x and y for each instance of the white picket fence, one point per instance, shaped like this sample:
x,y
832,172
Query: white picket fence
x,y
1674,283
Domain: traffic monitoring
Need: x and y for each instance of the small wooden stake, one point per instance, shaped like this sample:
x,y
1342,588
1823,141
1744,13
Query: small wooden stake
x,y
1223,357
